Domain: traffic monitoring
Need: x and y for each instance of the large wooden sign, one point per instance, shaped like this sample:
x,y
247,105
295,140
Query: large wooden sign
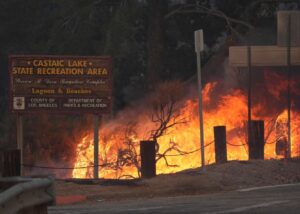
x,y
263,56
60,84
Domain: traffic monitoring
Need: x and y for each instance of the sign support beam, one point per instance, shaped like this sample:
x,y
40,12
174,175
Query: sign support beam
x,y
20,138
96,146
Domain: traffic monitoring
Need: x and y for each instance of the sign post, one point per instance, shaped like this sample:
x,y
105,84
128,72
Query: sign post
x,y
61,85
20,140
199,46
96,146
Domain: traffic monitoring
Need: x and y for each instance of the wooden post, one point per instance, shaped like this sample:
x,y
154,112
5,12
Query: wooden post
x,y
220,144
10,163
249,92
96,146
20,138
148,163
256,143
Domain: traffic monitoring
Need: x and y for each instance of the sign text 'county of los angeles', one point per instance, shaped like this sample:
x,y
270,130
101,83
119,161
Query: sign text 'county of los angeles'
x,y
60,84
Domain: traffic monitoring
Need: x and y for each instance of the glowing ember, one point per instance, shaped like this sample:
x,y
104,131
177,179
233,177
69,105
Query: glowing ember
x,y
119,144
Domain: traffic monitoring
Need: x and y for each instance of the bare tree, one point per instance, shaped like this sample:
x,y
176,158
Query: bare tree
x,y
173,146
165,107
127,155
165,114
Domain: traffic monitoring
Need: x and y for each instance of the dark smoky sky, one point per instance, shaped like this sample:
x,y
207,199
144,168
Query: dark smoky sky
x,y
31,28
3,79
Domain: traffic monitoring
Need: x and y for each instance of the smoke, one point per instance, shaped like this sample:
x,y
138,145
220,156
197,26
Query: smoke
x,y
50,142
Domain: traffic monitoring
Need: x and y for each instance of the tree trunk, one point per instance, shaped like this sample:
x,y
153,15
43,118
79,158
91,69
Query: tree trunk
x,y
155,41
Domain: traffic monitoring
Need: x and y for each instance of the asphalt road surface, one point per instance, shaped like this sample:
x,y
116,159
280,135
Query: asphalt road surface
x,y
273,199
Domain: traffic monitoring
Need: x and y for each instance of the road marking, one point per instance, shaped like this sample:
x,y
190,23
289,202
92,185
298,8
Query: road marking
x,y
267,187
241,209
145,208
79,210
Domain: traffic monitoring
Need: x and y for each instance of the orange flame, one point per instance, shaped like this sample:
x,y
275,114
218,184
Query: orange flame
x,y
230,110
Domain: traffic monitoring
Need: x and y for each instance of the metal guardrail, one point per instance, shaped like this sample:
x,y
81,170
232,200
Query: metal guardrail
x,y
26,193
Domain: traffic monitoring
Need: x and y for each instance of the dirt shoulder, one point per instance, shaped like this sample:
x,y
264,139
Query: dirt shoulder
x,y
224,177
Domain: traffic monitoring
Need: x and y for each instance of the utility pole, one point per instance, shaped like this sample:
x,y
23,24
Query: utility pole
x,y
199,46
